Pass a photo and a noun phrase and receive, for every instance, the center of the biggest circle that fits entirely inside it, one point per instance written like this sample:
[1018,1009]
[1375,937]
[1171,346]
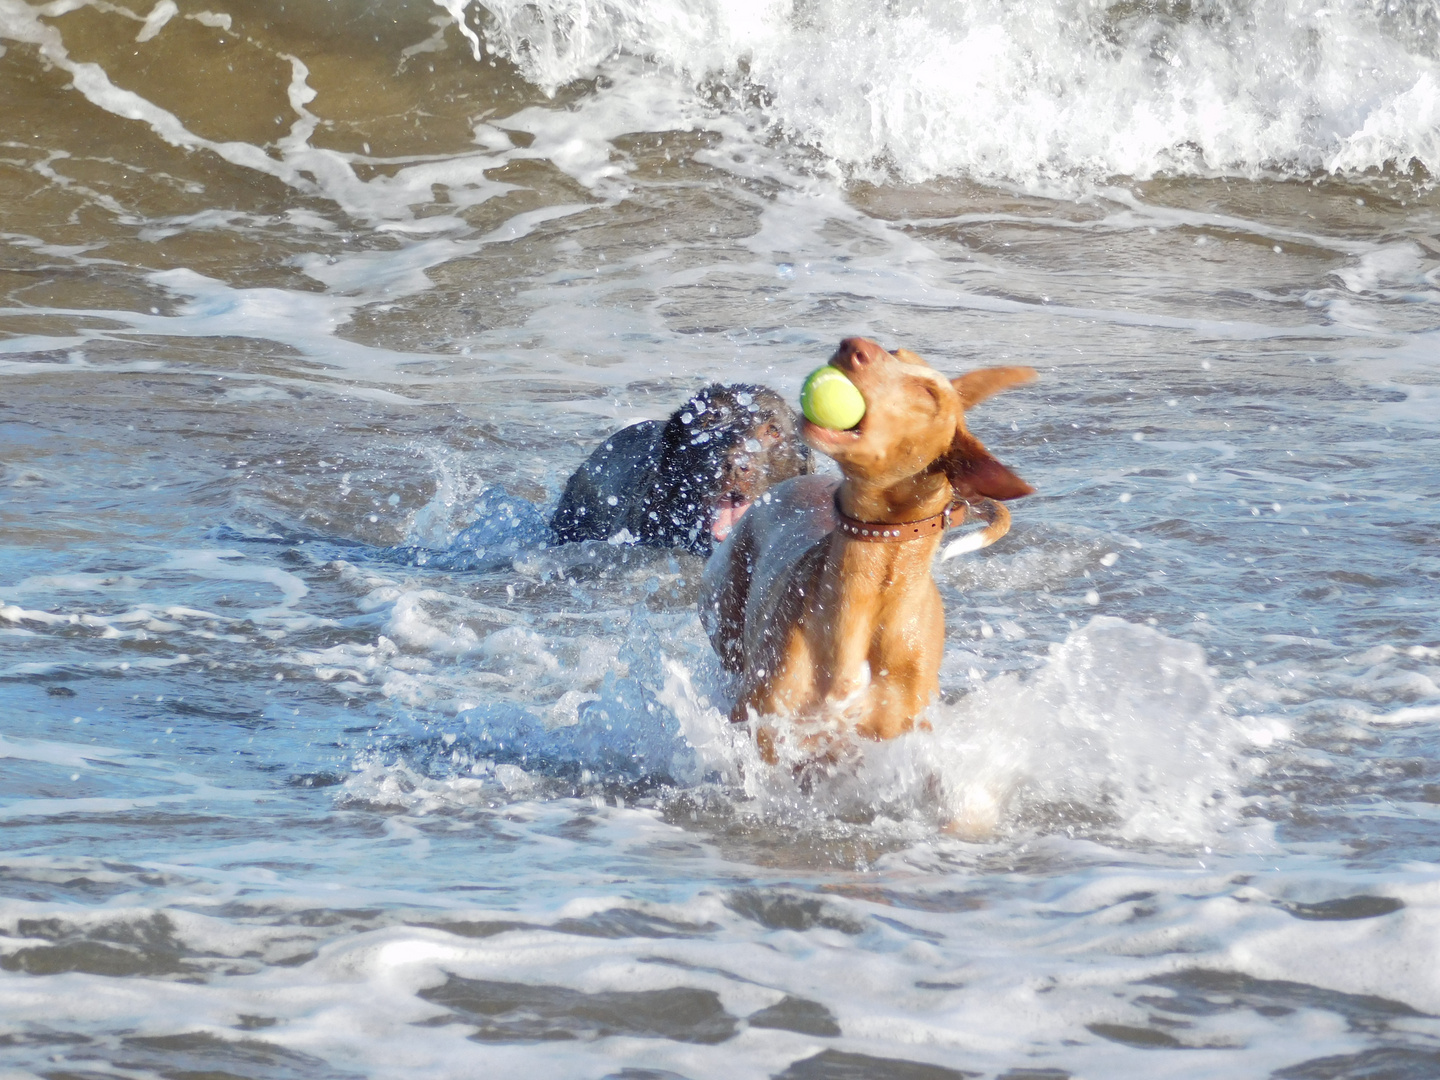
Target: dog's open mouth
[729,509]
[821,437]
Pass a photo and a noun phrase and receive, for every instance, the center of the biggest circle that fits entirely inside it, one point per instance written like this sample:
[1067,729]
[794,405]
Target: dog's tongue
[728,510]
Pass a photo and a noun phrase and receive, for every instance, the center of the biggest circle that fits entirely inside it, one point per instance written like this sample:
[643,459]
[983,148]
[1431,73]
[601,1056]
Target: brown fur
[819,626]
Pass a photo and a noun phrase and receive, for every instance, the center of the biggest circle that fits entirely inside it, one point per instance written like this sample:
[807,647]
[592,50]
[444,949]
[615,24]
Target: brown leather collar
[892,532]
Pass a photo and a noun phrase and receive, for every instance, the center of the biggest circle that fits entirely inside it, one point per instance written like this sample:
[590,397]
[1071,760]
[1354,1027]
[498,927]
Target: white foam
[1031,89]
[1012,978]
[54,753]
[229,565]
[554,667]
[160,14]
[1122,730]
[1122,718]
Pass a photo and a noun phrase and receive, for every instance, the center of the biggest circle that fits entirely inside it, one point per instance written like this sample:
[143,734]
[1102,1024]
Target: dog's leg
[998,524]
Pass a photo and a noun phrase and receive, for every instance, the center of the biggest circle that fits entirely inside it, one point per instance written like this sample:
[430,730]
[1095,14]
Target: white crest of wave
[1122,731]
[1029,90]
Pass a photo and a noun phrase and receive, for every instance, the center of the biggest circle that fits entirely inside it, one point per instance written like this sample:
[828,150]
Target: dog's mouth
[823,438]
[729,509]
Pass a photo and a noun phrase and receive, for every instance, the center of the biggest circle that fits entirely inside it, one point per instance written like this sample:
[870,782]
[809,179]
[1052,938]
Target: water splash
[1122,732]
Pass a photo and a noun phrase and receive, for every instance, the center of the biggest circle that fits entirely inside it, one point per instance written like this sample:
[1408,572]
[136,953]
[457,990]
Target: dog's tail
[997,524]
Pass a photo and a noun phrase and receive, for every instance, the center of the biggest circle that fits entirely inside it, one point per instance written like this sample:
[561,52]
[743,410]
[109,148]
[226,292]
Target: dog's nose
[855,353]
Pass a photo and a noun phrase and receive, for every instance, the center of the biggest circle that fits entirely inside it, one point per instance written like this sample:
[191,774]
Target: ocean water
[319,762]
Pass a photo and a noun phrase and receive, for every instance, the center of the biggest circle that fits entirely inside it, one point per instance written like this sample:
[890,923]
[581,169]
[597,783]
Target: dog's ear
[974,472]
[975,386]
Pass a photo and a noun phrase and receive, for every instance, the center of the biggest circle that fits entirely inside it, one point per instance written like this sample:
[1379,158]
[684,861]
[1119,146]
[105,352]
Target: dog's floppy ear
[975,386]
[973,471]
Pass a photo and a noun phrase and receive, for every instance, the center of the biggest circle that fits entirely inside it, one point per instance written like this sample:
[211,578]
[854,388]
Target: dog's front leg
[904,662]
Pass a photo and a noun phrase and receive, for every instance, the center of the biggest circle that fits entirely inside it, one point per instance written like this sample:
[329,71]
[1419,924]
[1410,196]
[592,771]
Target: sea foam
[1038,90]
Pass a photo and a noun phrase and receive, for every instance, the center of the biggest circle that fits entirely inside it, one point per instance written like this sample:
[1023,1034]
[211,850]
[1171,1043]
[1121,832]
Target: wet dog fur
[821,628]
[685,482]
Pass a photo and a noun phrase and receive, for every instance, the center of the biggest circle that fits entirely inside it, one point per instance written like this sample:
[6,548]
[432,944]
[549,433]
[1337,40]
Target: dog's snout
[855,353]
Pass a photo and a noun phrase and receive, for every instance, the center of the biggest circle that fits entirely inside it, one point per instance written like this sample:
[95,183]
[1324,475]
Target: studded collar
[892,532]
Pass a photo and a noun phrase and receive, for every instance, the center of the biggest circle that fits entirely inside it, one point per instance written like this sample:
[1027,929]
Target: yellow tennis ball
[831,400]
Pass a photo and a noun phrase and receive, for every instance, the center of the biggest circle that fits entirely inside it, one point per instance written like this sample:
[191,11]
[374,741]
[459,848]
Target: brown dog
[821,600]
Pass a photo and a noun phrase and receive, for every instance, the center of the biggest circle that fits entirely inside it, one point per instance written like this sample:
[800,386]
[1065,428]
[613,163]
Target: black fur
[662,483]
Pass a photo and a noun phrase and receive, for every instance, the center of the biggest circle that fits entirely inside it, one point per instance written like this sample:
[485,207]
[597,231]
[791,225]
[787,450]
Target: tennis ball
[831,400]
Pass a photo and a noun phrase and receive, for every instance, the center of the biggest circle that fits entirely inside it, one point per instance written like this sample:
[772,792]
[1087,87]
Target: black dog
[684,483]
